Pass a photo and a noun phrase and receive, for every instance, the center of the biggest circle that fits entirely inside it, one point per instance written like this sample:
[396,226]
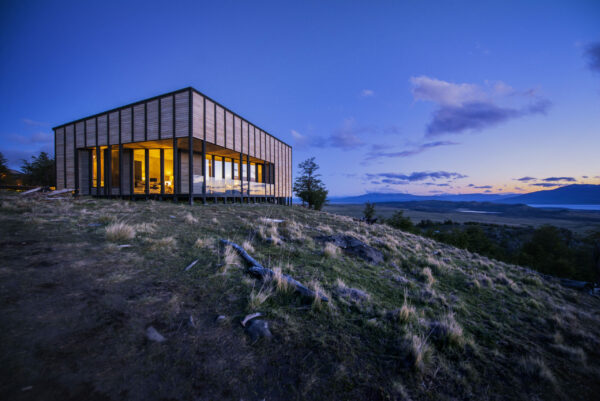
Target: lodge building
[181,145]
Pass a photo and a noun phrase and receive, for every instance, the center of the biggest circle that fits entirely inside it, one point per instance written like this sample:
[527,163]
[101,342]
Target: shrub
[331,250]
[400,222]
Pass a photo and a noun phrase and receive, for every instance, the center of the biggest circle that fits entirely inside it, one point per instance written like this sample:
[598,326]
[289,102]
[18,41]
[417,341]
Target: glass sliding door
[169,176]
[114,169]
[139,171]
[154,171]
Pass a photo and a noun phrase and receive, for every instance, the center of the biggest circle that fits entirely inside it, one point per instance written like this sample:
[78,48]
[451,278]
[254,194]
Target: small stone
[221,318]
[258,329]
[154,335]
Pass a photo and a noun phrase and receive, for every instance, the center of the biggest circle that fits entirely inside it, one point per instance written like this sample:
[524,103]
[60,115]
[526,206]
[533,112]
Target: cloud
[401,179]
[303,141]
[409,152]
[525,179]
[584,176]
[546,185]
[34,123]
[367,93]
[555,179]
[32,139]
[347,137]
[483,186]
[463,107]
[592,55]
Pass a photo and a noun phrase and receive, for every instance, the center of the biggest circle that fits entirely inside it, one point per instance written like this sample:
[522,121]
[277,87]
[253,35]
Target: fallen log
[31,191]
[60,191]
[259,270]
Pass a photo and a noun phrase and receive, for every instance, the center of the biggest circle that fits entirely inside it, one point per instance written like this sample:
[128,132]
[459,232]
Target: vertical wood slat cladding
[210,121]
[113,128]
[91,132]
[60,158]
[198,117]
[126,173]
[251,139]
[263,145]
[220,139]
[184,180]
[83,158]
[166,117]
[70,155]
[238,134]
[229,130]
[102,130]
[126,134]
[181,115]
[138,123]
[80,137]
[152,120]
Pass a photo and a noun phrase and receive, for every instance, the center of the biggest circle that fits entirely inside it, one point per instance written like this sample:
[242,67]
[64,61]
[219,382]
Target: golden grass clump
[190,219]
[324,228]
[230,258]
[419,351]
[316,287]
[427,275]
[257,298]
[280,282]
[119,232]
[331,250]
[247,245]
[294,230]
[145,228]
[535,368]
[407,311]
[164,244]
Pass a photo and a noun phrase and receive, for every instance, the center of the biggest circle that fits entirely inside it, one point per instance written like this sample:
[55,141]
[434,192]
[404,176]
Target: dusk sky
[413,96]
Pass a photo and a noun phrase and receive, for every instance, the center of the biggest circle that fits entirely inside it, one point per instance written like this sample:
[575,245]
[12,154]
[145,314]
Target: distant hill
[376,197]
[576,194]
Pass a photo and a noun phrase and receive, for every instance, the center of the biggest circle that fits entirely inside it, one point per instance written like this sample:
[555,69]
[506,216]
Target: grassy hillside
[430,322]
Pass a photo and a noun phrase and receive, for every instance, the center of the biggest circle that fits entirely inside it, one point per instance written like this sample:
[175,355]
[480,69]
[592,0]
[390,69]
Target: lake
[575,207]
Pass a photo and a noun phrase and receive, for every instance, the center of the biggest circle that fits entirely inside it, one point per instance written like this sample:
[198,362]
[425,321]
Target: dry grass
[163,244]
[406,312]
[257,298]
[448,331]
[280,282]
[190,219]
[316,287]
[331,250]
[230,259]
[535,368]
[119,232]
[427,276]
[145,228]
[325,229]
[247,245]
[419,351]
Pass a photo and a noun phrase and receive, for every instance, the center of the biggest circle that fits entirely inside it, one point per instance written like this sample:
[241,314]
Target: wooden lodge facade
[179,145]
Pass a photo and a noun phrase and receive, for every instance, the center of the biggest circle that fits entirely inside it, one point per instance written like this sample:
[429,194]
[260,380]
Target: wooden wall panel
[251,140]
[198,124]
[102,130]
[229,134]
[91,131]
[166,117]
[70,155]
[60,157]
[244,141]
[83,160]
[263,145]
[210,121]
[182,112]
[238,134]
[126,134]
[152,120]
[113,128]
[219,119]
[126,173]
[184,180]
[289,171]
[80,134]
[138,123]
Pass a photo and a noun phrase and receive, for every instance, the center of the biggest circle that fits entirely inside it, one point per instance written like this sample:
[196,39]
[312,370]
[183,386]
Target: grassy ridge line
[431,322]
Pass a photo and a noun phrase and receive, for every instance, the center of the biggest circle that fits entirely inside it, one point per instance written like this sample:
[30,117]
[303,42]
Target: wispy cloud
[417,176]
[375,153]
[470,107]
[546,185]
[34,123]
[367,93]
[557,179]
[525,179]
[592,55]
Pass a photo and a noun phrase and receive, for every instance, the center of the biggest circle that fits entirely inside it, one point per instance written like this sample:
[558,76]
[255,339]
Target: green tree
[4,172]
[369,212]
[40,170]
[309,187]
[400,222]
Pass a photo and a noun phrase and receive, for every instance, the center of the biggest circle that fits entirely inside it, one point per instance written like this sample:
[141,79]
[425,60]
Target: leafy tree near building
[4,172]
[40,170]
[309,187]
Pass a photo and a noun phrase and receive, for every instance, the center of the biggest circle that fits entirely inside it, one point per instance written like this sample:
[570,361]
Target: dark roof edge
[164,95]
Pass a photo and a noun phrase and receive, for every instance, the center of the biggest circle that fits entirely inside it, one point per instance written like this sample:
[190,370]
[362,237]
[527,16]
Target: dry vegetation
[430,322]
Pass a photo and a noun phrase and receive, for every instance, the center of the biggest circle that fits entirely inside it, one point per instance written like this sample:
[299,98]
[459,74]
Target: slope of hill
[576,194]
[401,197]
[87,284]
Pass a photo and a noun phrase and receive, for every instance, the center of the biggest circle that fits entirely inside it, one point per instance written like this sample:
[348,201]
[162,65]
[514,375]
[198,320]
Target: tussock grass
[535,368]
[419,351]
[230,259]
[247,245]
[324,229]
[331,250]
[166,244]
[281,283]
[257,298]
[314,285]
[145,228]
[427,276]
[448,331]
[190,219]
[119,232]
[406,312]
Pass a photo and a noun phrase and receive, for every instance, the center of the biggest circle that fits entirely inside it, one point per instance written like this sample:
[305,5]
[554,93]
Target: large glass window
[94,168]
[236,169]
[169,175]
[259,172]
[139,171]
[218,167]
[228,168]
[102,165]
[245,171]
[114,168]
[154,170]
[209,172]
[252,171]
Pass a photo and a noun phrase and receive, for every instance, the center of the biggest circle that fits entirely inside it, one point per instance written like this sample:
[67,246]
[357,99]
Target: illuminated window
[227,168]
[169,176]
[102,158]
[139,171]
[259,173]
[218,167]
[94,168]
[236,169]
[208,166]
[154,171]
[114,168]
[252,171]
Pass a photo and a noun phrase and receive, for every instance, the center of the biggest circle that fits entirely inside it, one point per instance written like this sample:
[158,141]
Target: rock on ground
[354,247]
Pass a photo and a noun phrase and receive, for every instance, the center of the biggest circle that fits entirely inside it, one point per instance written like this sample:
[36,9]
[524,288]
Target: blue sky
[413,96]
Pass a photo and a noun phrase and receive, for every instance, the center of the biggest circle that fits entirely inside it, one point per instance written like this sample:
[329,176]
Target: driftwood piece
[259,270]
[191,264]
[31,191]
[250,317]
[60,191]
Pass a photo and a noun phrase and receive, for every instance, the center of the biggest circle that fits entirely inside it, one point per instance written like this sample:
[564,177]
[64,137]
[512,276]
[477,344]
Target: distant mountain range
[576,194]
